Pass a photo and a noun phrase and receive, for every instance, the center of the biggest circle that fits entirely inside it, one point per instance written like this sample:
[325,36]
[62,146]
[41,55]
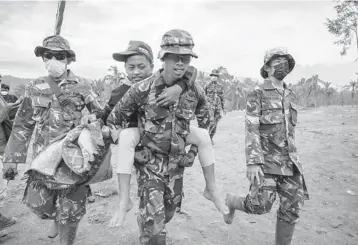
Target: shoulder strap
[64,102]
[191,72]
[54,87]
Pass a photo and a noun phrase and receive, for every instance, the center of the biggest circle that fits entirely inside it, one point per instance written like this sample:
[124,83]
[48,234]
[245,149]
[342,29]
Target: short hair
[4,86]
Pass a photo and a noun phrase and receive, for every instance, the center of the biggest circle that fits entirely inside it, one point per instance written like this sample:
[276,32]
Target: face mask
[213,79]
[4,92]
[55,68]
[281,71]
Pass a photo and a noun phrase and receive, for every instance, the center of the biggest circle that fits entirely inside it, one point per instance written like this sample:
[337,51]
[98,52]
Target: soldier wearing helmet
[272,162]
[164,131]
[215,93]
[51,109]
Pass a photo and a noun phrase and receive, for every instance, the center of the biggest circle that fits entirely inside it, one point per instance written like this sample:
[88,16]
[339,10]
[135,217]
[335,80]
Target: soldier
[4,116]
[215,92]
[52,108]
[271,154]
[4,221]
[138,63]
[163,131]
[138,60]
[9,98]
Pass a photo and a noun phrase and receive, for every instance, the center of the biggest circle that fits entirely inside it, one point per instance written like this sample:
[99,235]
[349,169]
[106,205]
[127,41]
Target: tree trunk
[357,33]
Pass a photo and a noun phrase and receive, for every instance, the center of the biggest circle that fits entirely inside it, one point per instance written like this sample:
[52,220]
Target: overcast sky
[232,34]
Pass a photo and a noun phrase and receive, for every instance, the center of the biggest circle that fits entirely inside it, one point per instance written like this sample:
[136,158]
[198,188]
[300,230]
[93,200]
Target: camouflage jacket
[41,113]
[118,93]
[215,92]
[163,129]
[3,109]
[10,98]
[271,117]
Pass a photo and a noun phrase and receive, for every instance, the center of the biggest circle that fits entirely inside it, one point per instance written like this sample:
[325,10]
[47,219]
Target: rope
[59,16]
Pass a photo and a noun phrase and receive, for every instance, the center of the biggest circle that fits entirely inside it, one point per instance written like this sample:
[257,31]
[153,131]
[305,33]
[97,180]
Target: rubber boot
[284,232]
[68,233]
[6,222]
[178,208]
[54,230]
[234,203]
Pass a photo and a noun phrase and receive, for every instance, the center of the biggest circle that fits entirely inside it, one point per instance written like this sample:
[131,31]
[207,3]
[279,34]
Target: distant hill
[13,82]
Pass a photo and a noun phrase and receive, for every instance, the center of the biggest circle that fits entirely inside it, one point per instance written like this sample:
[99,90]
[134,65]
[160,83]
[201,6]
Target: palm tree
[116,76]
[202,78]
[114,70]
[20,90]
[328,91]
[100,88]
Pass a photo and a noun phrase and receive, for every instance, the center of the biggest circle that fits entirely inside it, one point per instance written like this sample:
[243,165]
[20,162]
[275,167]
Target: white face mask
[55,68]
[213,79]
[4,92]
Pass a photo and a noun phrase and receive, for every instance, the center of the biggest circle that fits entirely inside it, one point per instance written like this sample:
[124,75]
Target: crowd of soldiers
[146,123]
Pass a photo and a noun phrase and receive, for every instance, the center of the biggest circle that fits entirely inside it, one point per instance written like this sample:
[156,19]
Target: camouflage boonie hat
[55,43]
[215,72]
[274,53]
[177,42]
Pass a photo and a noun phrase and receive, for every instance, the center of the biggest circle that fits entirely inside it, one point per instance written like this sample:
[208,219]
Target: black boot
[284,232]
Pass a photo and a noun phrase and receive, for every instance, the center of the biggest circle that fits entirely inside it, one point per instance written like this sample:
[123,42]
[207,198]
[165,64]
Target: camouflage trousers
[217,112]
[290,189]
[159,198]
[66,206]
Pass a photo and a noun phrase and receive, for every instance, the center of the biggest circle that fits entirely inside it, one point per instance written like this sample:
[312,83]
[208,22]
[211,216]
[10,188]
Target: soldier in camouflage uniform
[272,162]
[50,115]
[138,63]
[163,132]
[215,93]
[138,60]
[4,221]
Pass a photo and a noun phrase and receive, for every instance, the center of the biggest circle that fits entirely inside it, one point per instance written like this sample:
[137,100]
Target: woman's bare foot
[211,191]
[213,195]
[118,218]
